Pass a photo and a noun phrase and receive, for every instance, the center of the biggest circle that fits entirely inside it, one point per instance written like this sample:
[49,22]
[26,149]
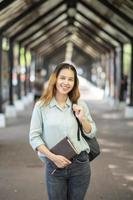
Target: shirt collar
[54,102]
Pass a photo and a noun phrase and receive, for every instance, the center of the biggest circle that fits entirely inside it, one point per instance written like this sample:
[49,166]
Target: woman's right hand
[61,161]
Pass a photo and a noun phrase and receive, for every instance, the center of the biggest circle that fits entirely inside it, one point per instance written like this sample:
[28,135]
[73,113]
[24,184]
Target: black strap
[80,127]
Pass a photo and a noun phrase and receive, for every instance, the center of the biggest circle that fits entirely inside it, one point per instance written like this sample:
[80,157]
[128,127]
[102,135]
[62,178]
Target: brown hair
[74,94]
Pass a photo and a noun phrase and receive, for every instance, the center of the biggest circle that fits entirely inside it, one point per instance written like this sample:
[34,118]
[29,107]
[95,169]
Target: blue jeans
[71,182]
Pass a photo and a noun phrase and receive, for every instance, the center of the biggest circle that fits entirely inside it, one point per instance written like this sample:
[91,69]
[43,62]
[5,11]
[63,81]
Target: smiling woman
[52,120]
[66,74]
[65,82]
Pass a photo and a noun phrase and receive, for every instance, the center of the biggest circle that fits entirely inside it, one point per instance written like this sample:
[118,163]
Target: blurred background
[97,36]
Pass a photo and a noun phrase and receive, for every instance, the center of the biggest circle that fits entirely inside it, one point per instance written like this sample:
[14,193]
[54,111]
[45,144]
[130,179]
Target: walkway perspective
[22,173]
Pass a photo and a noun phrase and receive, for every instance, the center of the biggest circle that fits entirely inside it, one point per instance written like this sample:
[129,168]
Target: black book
[65,148]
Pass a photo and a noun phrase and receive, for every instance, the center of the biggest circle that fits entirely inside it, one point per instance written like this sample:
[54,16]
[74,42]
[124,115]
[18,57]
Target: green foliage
[5,44]
[127,58]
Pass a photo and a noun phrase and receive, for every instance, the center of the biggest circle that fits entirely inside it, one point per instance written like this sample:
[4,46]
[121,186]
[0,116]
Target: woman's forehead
[66,72]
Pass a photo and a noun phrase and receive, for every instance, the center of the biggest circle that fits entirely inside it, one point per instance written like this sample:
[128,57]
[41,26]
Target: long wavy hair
[74,94]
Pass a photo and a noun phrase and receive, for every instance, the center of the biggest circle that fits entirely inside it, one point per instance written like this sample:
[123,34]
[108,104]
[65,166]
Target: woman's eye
[71,80]
[62,78]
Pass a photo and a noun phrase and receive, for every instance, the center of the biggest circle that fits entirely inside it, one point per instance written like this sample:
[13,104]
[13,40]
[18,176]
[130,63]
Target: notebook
[65,148]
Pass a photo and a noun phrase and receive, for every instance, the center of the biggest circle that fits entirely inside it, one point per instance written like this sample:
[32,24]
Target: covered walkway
[98,37]
[36,35]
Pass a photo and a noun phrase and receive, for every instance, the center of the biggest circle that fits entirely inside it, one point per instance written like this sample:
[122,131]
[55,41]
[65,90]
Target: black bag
[92,142]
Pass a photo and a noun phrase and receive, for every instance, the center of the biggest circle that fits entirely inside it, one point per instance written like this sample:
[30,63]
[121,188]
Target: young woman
[52,120]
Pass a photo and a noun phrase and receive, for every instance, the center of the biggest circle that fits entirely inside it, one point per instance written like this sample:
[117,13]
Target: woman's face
[65,81]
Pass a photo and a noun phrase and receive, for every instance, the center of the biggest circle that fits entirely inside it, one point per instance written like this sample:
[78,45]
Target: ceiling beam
[47,38]
[58,43]
[100,28]
[34,6]
[21,31]
[23,39]
[89,7]
[52,51]
[92,42]
[46,32]
[81,52]
[4,4]
[85,44]
[94,33]
[52,45]
[81,46]
[59,49]
[116,10]
[91,38]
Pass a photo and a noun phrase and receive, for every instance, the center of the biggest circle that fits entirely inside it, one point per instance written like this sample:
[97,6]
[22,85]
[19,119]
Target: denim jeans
[71,182]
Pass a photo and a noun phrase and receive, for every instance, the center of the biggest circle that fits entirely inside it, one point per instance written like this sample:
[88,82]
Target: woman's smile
[65,81]
[65,87]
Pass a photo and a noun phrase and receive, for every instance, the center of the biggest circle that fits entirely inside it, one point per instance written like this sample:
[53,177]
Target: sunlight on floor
[106,150]
[130,123]
[112,166]
[111,116]
[128,177]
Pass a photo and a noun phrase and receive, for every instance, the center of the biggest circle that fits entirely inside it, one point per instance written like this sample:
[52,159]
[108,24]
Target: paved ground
[21,173]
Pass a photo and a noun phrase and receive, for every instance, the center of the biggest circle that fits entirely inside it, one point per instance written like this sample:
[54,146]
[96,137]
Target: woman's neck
[61,99]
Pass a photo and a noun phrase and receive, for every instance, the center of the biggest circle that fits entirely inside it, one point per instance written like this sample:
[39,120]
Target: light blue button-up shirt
[50,123]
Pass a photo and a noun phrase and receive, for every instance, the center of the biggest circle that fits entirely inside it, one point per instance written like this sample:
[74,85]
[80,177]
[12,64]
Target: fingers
[67,161]
[77,108]
[61,161]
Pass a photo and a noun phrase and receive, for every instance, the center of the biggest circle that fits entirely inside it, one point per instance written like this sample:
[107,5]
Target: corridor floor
[22,173]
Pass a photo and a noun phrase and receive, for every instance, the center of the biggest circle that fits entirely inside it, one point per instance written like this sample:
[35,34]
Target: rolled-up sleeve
[36,126]
[91,121]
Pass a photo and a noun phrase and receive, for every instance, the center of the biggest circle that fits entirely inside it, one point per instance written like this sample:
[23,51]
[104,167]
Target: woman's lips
[65,88]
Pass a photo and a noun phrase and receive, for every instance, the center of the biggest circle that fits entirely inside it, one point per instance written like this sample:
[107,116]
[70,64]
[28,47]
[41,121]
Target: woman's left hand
[79,112]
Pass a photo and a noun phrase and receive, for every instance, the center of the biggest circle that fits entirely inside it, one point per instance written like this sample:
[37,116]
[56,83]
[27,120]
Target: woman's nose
[65,81]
